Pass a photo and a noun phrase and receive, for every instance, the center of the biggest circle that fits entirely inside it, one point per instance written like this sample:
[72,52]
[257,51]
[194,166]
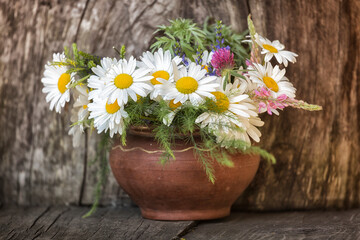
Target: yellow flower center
[187,85]
[113,107]
[64,79]
[173,105]
[271,84]
[123,81]
[270,48]
[159,74]
[85,106]
[221,104]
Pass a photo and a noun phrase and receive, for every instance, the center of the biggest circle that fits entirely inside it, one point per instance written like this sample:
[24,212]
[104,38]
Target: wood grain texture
[126,223]
[315,225]
[66,223]
[318,153]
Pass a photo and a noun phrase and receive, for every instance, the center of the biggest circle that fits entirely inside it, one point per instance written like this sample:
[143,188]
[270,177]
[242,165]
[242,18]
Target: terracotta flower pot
[179,190]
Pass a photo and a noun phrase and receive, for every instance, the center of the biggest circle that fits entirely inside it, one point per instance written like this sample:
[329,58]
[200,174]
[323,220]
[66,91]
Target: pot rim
[147,131]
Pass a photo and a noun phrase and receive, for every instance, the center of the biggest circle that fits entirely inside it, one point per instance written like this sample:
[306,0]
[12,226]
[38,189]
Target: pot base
[185,215]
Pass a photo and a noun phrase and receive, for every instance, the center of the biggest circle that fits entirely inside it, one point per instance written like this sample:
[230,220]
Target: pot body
[180,189]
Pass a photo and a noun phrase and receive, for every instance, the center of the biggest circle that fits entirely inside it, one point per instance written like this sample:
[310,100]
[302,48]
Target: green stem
[79,81]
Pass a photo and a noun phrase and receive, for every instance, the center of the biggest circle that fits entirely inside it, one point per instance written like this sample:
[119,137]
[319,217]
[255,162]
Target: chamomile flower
[56,82]
[107,116]
[232,114]
[190,84]
[160,65]
[124,81]
[245,84]
[79,114]
[272,78]
[97,81]
[174,108]
[227,108]
[81,102]
[276,49]
[244,133]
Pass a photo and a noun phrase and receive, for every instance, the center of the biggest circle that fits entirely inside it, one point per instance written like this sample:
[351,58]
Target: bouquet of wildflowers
[208,82]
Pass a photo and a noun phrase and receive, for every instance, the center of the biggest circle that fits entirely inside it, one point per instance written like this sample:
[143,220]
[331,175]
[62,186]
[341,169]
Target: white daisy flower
[190,84]
[81,102]
[276,49]
[231,110]
[79,113]
[56,82]
[248,129]
[160,65]
[245,84]
[123,81]
[107,116]
[174,108]
[227,107]
[97,81]
[272,78]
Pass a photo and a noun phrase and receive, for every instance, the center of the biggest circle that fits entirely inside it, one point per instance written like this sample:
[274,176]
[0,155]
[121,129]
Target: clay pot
[179,190]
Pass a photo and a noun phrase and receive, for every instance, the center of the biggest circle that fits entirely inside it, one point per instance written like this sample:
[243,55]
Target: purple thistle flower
[222,59]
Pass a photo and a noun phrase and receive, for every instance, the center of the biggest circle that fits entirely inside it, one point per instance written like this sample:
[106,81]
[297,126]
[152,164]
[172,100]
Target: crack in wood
[40,216]
[52,237]
[141,222]
[39,229]
[143,231]
[12,230]
[56,218]
[96,231]
[11,236]
[190,227]
[81,18]
[139,16]
[37,235]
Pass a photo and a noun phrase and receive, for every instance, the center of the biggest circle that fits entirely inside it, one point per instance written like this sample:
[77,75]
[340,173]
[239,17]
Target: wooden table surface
[126,223]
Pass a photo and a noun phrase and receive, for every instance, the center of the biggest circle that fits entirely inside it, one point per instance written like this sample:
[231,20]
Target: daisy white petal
[276,49]
[56,82]
[159,67]
[189,87]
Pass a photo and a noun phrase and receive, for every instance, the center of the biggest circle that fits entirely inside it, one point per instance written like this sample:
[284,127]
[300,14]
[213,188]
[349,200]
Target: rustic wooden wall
[318,152]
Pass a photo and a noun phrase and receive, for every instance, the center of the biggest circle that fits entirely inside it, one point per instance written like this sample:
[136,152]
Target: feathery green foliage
[183,36]
[183,32]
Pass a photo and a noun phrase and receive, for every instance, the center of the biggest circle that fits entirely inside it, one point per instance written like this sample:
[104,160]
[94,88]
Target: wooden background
[317,152]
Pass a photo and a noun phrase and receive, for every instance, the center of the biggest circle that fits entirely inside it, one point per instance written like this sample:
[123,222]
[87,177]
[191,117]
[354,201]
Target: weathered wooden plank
[126,223]
[317,152]
[281,225]
[67,223]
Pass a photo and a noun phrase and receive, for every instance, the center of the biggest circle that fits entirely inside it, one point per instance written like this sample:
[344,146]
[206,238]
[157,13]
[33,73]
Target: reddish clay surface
[179,190]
